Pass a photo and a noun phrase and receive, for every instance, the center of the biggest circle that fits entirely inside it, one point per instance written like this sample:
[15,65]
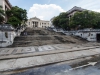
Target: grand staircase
[38,37]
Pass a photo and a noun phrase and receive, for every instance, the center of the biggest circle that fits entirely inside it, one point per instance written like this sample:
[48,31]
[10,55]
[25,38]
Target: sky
[46,9]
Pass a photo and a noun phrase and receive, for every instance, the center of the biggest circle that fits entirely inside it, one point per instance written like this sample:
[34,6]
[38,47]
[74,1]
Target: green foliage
[80,20]
[61,21]
[85,19]
[2,13]
[18,14]
[56,21]
[14,21]
[97,21]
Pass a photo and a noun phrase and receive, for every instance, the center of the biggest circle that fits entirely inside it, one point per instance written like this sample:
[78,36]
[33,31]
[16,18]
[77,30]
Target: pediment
[35,18]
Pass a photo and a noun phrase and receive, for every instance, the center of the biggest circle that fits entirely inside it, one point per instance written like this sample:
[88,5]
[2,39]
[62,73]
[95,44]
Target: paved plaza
[43,55]
[29,51]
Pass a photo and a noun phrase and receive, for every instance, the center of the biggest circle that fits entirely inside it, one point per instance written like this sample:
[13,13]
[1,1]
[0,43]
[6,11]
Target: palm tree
[2,14]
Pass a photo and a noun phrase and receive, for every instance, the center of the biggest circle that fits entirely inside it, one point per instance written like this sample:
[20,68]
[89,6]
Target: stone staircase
[38,37]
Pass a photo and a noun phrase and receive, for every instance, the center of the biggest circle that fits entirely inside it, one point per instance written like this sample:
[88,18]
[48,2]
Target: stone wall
[6,38]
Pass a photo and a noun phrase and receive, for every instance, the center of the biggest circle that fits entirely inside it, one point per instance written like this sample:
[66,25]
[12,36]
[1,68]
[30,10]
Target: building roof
[35,18]
[38,19]
[45,21]
[75,8]
[6,27]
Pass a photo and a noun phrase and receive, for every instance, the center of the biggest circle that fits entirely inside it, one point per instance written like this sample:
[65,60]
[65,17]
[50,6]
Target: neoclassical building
[36,22]
[5,6]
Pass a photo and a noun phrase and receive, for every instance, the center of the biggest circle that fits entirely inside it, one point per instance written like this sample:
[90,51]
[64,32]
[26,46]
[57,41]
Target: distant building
[5,6]
[75,9]
[36,22]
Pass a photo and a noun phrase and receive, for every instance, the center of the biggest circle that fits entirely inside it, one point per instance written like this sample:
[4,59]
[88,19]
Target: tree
[56,22]
[18,15]
[80,20]
[97,26]
[14,21]
[61,21]
[85,19]
[2,14]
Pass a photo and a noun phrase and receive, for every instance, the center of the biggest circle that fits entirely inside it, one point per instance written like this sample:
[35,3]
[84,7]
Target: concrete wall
[6,38]
[86,34]
[93,36]
[90,36]
[81,34]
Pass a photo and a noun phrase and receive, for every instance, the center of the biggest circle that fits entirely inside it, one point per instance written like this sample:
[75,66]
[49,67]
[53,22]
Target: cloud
[45,11]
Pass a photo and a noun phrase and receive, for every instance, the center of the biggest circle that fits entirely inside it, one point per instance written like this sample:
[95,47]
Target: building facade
[5,6]
[36,22]
[75,9]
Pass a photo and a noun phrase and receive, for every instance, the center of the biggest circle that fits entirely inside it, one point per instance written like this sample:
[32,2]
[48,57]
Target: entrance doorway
[98,37]
[35,24]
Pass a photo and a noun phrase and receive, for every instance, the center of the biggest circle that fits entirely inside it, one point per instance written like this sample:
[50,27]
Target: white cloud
[45,11]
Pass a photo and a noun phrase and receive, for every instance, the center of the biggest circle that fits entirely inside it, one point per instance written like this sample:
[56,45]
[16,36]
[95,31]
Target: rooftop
[75,8]
[38,19]
[35,18]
